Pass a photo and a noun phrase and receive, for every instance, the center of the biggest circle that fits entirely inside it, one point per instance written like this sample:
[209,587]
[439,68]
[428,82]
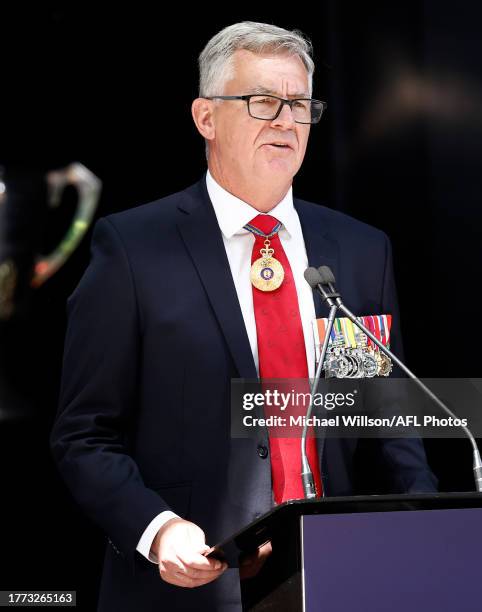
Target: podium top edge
[261,530]
[401,497]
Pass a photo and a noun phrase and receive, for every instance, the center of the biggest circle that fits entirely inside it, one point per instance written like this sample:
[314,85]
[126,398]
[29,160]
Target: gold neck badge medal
[267,273]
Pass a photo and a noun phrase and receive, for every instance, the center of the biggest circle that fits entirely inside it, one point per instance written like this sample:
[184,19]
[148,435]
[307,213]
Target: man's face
[244,147]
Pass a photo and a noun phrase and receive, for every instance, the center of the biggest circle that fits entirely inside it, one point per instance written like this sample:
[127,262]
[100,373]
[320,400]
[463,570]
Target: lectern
[375,553]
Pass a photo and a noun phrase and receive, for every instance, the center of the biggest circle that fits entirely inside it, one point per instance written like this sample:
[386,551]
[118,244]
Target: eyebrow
[267,91]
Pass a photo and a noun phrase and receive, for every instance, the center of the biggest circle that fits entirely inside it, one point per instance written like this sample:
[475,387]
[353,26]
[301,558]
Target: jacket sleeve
[98,397]
[404,458]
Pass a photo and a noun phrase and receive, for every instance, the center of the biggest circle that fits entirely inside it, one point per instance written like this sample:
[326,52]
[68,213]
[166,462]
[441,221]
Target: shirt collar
[233,214]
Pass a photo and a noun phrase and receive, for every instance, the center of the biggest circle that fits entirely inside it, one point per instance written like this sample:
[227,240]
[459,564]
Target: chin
[281,169]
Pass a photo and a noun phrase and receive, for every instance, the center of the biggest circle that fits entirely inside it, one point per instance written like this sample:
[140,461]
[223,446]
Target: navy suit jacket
[155,334]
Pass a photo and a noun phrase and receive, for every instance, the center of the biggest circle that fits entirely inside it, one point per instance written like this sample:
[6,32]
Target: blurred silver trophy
[25,197]
[31,320]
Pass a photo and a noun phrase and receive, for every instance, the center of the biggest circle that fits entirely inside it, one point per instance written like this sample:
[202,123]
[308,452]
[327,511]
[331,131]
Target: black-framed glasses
[267,107]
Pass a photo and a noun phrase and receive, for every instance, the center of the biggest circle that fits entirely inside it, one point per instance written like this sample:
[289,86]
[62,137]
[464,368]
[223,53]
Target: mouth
[279,145]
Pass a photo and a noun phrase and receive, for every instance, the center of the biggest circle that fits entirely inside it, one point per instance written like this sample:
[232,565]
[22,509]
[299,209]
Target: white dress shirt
[232,215]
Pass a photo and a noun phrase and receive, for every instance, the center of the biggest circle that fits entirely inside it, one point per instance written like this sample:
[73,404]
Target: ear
[203,115]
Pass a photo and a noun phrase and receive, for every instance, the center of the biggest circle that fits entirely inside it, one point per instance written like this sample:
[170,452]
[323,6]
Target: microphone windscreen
[312,277]
[326,275]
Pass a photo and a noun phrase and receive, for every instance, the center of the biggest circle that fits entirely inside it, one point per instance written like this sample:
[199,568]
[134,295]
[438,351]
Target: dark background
[400,147]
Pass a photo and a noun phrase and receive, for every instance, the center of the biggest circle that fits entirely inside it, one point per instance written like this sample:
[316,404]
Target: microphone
[326,275]
[323,281]
[313,278]
[317,279]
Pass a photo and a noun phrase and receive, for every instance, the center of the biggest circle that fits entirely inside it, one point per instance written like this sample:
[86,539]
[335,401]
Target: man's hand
[180,548]
[250,566]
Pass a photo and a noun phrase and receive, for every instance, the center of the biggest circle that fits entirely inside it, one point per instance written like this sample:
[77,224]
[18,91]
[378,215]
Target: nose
[285,118]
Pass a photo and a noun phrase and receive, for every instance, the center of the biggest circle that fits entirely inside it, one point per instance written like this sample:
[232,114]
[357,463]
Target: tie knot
[264,223]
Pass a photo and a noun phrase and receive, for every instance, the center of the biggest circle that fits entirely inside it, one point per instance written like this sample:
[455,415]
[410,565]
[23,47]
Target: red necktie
[282,354]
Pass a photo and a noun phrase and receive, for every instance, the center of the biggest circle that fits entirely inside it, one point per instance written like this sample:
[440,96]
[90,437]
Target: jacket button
[262,451]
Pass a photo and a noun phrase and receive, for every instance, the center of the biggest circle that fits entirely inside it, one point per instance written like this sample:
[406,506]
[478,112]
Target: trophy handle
[89,187]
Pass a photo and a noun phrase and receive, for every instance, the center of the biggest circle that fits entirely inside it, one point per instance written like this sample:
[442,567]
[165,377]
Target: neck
[260,195]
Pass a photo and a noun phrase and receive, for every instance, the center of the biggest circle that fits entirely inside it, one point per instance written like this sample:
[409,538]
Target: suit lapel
[321,249]
[202,237]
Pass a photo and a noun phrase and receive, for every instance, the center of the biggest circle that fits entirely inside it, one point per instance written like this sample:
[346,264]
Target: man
[168,313]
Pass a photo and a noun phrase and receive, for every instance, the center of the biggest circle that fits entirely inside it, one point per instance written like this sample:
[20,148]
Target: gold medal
[385,365]
[267,273]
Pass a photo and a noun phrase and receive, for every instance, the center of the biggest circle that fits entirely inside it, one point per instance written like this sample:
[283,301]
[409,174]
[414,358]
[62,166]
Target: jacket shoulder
[340,224]
[156,215]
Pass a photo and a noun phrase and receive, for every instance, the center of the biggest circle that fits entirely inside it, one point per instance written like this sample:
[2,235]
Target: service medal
[341,367]
[370,365]
[350,353]
[385,365]
[267,273]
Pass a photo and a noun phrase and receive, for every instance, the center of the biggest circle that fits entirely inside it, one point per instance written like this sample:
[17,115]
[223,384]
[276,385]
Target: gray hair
[215,61]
